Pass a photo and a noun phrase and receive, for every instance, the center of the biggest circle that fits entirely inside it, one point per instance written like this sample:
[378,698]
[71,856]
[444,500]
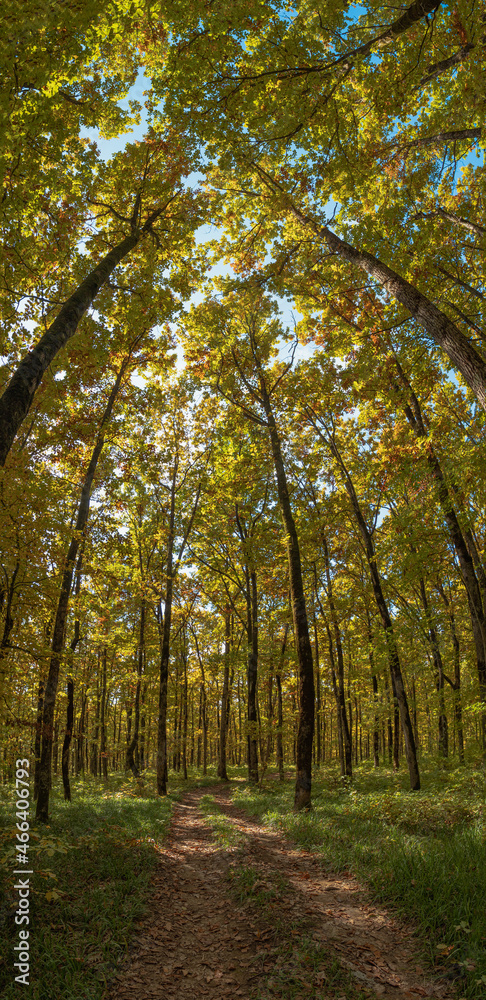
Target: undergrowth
[302,968]
[92,867]
[225,833]
[424,852]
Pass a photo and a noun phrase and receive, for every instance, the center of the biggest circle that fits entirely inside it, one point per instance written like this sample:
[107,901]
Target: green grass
[248,885]
[92,867]
[301,968]
[225,833]
[424,852]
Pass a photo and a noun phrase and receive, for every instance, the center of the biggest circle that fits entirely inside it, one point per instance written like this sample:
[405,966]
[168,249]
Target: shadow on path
[198,942]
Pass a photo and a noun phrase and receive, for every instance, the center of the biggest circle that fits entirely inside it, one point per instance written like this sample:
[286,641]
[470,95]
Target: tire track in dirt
[198,942]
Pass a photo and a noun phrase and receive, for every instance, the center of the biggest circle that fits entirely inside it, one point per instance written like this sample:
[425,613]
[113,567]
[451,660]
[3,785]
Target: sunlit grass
[425,852]
[92,865]
[225,833]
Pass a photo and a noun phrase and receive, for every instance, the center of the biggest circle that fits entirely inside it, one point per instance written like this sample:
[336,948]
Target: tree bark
[38,736]
[184,706]
[341,701]
[164,626]
[278,681]
[17,397]
[70,696]
[439,672]
[103,754]
[393,657]
[318,686]
[305,731]
[132,759]
[374,682]
[456,683]
[474,591]
[164,634]
[222,772]
[339,715]
[252,714]
[439,327]
[42,811]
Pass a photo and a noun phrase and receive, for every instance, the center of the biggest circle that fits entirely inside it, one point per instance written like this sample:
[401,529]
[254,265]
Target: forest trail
[199,941]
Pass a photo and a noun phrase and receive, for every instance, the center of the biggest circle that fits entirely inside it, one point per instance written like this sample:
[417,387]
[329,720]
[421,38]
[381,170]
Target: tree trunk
[80,737]
[38,733]
[393,657]
[67,740]
[19,392]
[164,634]
[439,327]
[456,683]
[94,740]
[374,682]
[42,811]
[278,680]
[466,561]
[222,773]
[318,686]
[305,732]
[184,707]
[345,729]
[252,629]
[103,754]
[339,712]
[439,672]
[132,760]
[70,695]
[143,751]
[164,627]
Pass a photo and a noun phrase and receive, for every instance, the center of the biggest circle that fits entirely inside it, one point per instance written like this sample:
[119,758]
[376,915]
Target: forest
[242,496]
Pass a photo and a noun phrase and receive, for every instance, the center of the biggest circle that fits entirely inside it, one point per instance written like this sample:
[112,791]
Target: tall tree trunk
[439,327]
[439,672]
[374,682]
[70,694]
[184,706]
[132,761]
[222,773]
[80,736]
[143,726]
[96,730]
[476,595]
[392,649]
[7,596]
[456,683]
[164,624]
[18,395]
[42,811]
[38,735]
[396,728]
[67,740]
[345,728]
[240,731]
[176,719]
[305,732]
[317,684]
[252,678]
[204,716]
[278,681]
[339,703]
[103,712]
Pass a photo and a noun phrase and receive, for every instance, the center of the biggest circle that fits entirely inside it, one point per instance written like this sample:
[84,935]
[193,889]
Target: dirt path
[201,941]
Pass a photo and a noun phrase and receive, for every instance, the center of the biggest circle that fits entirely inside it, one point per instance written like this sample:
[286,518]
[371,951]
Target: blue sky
[107,147]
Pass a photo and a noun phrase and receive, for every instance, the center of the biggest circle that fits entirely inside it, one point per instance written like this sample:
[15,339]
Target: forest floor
[237,909]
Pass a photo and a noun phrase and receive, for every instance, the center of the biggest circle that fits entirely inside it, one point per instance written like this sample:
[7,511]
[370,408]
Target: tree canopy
[243,491]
